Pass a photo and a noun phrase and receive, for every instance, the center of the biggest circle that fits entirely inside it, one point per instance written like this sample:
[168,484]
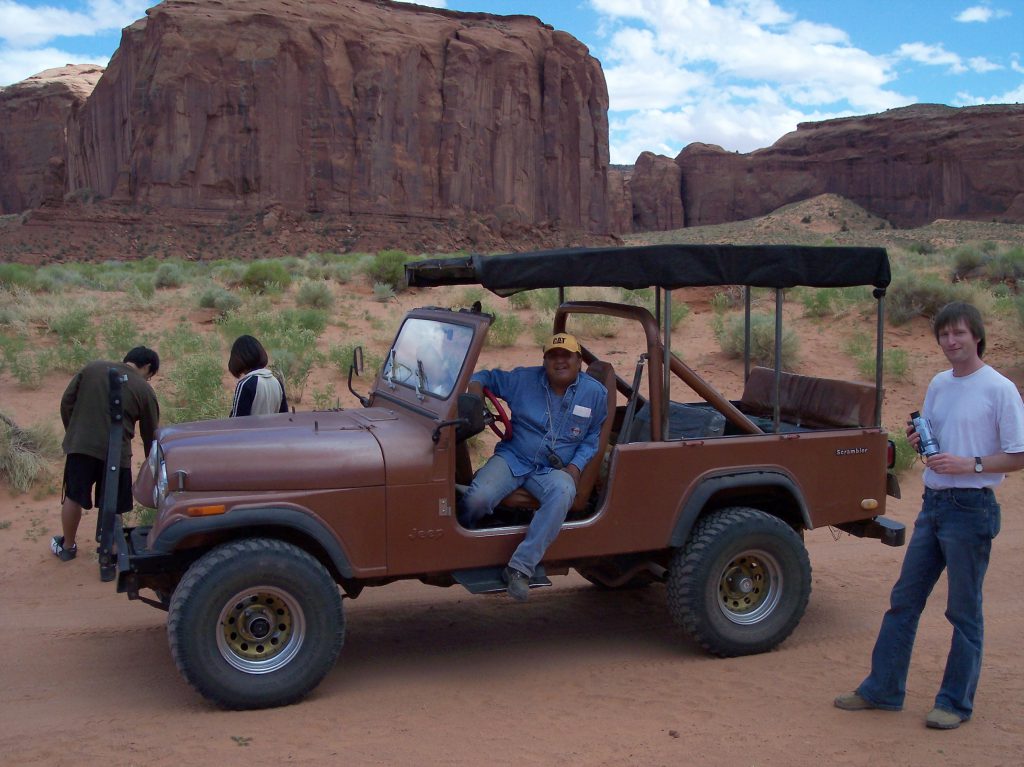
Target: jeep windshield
[427,356]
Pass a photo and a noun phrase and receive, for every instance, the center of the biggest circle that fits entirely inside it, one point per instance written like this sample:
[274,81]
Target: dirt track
[575,677]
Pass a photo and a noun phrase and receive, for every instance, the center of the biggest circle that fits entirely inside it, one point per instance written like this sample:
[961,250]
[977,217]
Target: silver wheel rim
[750,587]
[260,630]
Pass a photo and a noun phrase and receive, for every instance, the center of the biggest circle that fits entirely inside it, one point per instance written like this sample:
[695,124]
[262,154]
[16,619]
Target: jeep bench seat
[820,403]
[523,499]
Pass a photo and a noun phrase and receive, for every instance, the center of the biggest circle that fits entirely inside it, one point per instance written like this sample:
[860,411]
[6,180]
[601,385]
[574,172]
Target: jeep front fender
[258,521]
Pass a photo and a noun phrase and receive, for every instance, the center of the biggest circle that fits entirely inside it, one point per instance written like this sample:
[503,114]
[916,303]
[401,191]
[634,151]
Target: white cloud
[1014,96]
[16,65]
[738,73]
[980,14]
[981,65]
[1015,64]
[932,55]
[25,26]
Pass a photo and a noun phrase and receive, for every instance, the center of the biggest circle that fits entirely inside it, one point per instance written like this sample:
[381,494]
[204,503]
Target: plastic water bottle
[928,446]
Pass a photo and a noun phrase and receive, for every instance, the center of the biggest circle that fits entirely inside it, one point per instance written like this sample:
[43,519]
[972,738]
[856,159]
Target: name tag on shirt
[581,411]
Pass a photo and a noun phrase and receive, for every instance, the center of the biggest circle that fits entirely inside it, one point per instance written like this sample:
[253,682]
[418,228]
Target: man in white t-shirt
[977,416]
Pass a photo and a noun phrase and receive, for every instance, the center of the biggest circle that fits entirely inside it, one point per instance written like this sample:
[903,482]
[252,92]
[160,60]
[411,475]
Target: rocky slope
[352,107]
[33,134]
[909,166]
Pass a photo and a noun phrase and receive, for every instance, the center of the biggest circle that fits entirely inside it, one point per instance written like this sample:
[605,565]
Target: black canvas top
[666,266]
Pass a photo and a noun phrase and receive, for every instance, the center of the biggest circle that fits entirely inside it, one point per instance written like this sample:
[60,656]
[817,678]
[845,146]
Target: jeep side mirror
[471,412]
[356,368]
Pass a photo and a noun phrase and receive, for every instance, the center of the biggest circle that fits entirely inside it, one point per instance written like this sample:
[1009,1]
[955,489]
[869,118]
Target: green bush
[119,335]
[73,325]
[26,455]
[382,292]
[221,299]
[197,392]
[388,268]
[169,275]
[505,331]
[906,456]
[913,295]
[315,294]
[894,365]
[594,325]
[17,276]
[762,341]
[231,273]
[265,276]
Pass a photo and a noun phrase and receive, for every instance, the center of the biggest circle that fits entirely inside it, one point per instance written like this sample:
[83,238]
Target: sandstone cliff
[911,166]
[349,107]
[33,138]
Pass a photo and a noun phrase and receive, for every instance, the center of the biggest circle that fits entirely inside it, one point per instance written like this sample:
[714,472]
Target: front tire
[741,583]
[255,623]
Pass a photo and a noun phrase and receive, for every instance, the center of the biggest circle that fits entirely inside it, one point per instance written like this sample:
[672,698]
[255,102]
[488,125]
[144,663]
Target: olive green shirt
[85,411]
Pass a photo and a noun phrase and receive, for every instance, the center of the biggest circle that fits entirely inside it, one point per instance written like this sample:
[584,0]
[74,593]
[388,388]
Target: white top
[975,415]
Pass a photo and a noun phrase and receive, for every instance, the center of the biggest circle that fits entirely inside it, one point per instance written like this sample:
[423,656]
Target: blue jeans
[554,489]
[954,531]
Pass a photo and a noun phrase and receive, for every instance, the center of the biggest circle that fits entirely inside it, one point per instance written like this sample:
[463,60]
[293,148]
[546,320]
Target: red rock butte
[349,107]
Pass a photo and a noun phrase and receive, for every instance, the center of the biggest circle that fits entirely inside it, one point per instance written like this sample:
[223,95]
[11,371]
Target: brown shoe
[852,701]
[939,719]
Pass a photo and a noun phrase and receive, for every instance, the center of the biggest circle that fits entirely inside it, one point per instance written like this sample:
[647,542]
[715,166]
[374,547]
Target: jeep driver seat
[523,499]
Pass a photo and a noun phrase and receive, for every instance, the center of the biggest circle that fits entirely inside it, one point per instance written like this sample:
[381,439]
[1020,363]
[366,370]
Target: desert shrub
[58,277]
[1007,266]
[966,259]
[906,456]
[894,365]
[221,299]
[26,455]
[22,363]
[169,275]
[326,398]
[388,268]
[197,392]
[119,335]
[142,288]
[594,325]
[382,292]
[521,300]
[294,366]
[231,273]
[17,276]
[182,341]
[340,356]
[920,248]
[73,325]
[505,331]
[314,294]
[762,341]
[919,295]
[341,273]
[540,332]
[266,276]
[1019,302]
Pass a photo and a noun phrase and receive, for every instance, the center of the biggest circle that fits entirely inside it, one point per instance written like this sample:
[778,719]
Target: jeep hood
[288,451]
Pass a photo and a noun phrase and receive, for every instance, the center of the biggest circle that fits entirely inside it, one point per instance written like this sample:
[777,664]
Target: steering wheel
[500,416]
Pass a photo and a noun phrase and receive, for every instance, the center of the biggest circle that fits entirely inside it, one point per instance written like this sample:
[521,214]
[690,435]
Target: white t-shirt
[976,415]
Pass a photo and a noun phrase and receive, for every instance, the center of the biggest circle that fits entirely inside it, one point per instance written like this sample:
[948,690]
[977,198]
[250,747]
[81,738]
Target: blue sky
[737,73]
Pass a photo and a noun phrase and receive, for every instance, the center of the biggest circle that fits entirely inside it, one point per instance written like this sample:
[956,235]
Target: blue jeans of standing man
[954,531]
[554,489]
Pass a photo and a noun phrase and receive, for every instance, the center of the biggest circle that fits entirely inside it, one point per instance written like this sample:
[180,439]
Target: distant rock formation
[353,107]
[655,205]
[33,134]
[910,166]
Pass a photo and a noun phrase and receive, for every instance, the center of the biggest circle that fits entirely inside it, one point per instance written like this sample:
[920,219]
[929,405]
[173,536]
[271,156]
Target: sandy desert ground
[576,676]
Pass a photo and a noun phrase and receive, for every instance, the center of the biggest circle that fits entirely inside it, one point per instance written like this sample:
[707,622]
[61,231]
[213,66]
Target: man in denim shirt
[557,413]
[978,419]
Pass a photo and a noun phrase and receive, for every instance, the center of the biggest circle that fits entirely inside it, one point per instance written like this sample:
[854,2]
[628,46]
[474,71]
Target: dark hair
[247,354]
[960,311]
[141,356]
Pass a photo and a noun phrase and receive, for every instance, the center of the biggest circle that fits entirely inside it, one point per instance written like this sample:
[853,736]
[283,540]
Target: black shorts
[83,473]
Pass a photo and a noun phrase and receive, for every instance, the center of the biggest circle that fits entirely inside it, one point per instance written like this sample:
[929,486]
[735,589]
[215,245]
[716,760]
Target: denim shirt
[570,425]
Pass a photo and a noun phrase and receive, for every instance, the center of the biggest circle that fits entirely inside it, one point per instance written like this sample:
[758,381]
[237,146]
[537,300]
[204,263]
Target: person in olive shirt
[85,411]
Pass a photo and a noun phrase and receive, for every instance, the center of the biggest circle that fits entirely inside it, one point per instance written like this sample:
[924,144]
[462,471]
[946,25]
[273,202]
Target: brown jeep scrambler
[260,519]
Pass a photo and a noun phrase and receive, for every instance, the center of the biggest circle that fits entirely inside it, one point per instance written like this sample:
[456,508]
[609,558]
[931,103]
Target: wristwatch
[978,468]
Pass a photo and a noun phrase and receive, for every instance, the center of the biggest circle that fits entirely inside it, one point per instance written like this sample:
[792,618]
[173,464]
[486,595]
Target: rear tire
[741,583]
[255,623]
